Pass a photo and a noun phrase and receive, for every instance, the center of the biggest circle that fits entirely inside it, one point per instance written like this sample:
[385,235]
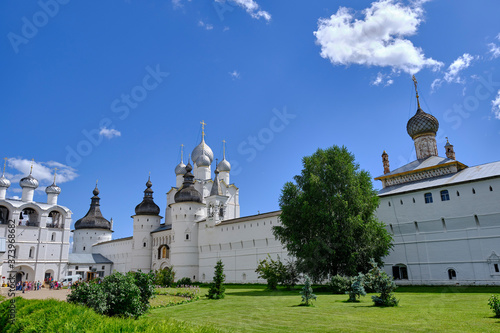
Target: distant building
[443,215]
[41,233]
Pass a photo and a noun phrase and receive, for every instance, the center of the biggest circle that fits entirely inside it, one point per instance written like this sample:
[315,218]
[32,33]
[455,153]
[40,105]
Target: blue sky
[109,90]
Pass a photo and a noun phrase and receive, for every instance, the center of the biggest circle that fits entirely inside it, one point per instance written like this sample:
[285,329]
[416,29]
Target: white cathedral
[443,215]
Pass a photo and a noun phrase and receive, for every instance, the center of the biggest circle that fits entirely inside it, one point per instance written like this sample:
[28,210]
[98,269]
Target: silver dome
[180,169]
[4,182]
[29,182]
[202,149]
[224,165]
[421,123]
[53,189]
[203,161]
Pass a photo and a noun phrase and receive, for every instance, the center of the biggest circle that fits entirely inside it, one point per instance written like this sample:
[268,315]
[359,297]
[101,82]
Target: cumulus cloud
[42,171]
[109,132]
[205,25]
[452,74]
[234,75]
[251,7]
[382,79]
[496,106]
[377,40]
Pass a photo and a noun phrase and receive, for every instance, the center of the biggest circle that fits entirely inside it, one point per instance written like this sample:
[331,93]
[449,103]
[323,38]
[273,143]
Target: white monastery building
[443,215]
[41,233]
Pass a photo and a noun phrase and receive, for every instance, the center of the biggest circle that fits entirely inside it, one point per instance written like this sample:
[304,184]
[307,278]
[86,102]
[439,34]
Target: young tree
[307,292]
[217,289]
[357,289]
[271,270]
[327,219]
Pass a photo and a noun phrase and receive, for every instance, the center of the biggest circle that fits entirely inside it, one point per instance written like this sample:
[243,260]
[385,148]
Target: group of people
[28,285]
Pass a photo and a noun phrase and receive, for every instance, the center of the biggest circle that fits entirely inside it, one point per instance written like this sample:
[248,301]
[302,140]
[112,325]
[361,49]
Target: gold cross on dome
[182,153]
[55,173]
[416,90]
[203,123]
[32,161]
[4,165]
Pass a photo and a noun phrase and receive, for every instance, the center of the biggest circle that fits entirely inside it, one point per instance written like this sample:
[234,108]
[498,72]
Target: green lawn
[422,309]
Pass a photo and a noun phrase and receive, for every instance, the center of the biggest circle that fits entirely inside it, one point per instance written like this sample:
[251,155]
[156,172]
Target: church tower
[186,212]
[92,228]
[422,128]
[216,203]
[202,157]
[4,182]
[224,166]
[146,220]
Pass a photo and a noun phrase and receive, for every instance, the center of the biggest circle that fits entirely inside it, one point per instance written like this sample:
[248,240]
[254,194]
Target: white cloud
[496,106]
[205,25]
[109,132]
[494,50]
[251,7]
[453,72]
[382,79]
[377,40]
[234,75]
[42,171]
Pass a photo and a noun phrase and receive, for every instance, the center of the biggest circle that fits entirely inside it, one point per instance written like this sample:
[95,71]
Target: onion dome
[29,182]
[224,165]
[147,206]
[422,123]
[4,182]
[203,161]
[188,193]
[93,219]
[202,149]
[53,189]
[180,169]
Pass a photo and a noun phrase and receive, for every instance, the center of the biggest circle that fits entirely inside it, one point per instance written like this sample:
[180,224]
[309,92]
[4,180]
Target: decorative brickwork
[425,146]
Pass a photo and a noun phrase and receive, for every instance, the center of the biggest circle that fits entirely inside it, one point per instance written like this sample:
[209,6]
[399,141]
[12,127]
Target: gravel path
[41,294]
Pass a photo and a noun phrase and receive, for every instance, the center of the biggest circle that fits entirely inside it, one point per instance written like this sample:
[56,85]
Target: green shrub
[356,290]
[339,284]
[217,289]
[185,281]
[382,283]
[290,276]
[165,277]
[145,283]
[494,303]
[276,272]
[307,292]
[90,294]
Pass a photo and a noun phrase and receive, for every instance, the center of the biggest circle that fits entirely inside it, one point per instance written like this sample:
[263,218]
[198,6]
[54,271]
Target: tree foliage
[276,272]
[217,289]
[378,280]
[165,277]
[357,289]
[327,219]
[307,292]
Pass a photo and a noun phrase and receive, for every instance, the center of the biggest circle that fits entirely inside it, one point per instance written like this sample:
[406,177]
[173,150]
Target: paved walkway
[41,294]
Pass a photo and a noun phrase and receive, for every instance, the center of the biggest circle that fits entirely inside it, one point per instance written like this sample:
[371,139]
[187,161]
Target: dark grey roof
[88,258]
[93,219]
[147,206]
[163,227]
[188,193]
[216,189]
[421,123]
[476,173]
[115,240]
[251,217]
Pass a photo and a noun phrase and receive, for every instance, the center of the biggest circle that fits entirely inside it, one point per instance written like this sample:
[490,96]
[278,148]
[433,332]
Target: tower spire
[416,90]
[32,161]
[55,173]
[182,153]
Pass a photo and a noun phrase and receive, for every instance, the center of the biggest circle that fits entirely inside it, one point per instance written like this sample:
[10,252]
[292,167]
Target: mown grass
[422,309]
[57,316]
[251,308]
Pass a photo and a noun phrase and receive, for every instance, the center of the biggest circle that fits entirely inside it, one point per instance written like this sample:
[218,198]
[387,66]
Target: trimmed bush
[383,284]
[185,281]
[165,277]
[357,289]
[494,303]
[340,284]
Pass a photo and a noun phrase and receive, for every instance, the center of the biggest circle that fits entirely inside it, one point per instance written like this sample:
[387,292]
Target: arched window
[29,217]
[4,215]
[55,220]
[428,197]
[163,252]
[53,237]
[445,196]
[400,272]
[452,275]
[32,252]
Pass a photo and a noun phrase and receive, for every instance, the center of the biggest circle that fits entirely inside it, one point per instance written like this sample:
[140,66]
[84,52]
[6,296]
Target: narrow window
[143,244]
[458,194]
[392,229]
[413,200]
[491,189]
[477,221]
[497,270]
[445,196]
[84,248]
[401,201]
[416,226]
[187,236]
[31,253]
[389,203]
[473,191]
[452,275]
[444,224]
[428,198]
